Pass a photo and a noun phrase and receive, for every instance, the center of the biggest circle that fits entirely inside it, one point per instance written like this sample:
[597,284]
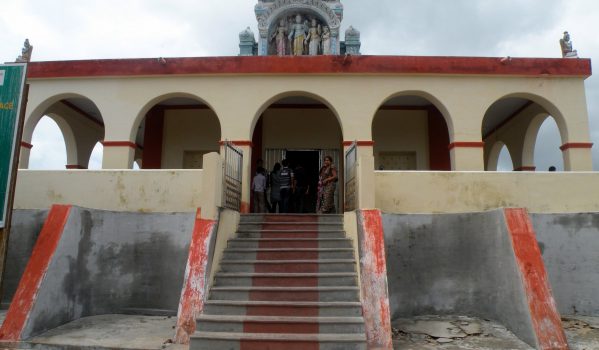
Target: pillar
[365,181]
[118,154]
[577,156]
[24,155]
[212,186]
[467,156]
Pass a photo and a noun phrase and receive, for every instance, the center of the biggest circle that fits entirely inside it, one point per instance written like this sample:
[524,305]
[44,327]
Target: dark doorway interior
[310,161]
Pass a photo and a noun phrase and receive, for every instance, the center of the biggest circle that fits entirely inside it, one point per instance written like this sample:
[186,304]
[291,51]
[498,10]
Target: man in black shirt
[287,185]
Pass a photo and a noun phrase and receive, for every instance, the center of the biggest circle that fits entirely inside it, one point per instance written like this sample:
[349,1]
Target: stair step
[269,234]
[287,253]
[279,324]
[289,266]
[344,293]
[290,243]
[282,308]
[277,341]
[286,279]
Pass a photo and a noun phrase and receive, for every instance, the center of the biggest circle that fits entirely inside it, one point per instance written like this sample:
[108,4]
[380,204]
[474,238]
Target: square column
[24,155]
[467,156]
[364,173]
[577,156]
[118,154]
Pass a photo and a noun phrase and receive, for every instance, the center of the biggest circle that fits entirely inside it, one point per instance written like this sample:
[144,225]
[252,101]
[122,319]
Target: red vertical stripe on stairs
[41,256]
[543,310]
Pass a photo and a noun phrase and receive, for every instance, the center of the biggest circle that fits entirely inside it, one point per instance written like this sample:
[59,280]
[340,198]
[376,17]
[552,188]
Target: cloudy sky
[87,29]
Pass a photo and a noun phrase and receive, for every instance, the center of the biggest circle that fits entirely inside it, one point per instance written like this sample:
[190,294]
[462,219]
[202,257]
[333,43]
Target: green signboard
[12,81]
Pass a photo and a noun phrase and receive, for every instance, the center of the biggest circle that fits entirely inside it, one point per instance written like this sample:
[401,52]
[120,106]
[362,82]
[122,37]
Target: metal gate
[232,169]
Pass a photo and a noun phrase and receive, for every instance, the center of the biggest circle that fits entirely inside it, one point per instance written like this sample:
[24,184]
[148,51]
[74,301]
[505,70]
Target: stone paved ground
[467,333]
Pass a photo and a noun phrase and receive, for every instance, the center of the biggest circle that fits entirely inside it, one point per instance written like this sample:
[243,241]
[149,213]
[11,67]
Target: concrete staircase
[286,282]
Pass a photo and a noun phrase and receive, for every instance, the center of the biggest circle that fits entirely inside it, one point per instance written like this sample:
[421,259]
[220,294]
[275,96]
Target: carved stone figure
[279,36]
[313,38]
[25,52]
[566,46]
[326,41]
[297,35]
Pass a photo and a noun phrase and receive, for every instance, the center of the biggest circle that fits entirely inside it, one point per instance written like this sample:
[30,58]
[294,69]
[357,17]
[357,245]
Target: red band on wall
[576,145]
[466,145]
[359,143]
[26,145]
[41,256]
[194,285]
[239,143]
[119,144]
[526,168]
[545,318]
[75,166]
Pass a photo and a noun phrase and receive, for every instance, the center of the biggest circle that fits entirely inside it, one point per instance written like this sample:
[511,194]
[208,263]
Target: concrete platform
[110,332]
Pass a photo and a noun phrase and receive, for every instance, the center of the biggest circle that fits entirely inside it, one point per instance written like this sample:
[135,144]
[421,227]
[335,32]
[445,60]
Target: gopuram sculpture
[566,45]
[25,52]
[298,27]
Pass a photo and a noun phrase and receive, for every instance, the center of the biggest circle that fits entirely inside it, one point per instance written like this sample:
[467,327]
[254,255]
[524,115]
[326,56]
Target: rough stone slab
[110,331]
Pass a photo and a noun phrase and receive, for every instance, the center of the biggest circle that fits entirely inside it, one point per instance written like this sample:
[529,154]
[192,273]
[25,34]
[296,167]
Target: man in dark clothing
[301,188]
[287,185]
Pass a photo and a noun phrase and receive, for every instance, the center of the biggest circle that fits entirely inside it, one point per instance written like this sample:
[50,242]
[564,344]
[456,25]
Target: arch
[174,131]
[549,107]
[425,95]
[494,154]
[95,158]
[531,140]
[41,109]
[141,115]
[50,153]
[294,93]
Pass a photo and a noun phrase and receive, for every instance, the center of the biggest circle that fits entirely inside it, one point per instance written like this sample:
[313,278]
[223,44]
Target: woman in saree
[327,182]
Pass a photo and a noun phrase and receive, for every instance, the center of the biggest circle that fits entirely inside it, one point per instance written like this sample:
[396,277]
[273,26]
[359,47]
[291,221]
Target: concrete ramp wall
[26,226]
[101,262]
[477,264]
[570,247]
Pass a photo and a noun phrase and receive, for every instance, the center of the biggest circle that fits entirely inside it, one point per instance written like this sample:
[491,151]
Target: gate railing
[351,183]
[232,171]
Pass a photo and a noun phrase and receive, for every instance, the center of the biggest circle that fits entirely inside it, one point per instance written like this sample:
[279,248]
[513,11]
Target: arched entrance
[410,133]
[302,129]
[176,133]
[80,123]
[515,121]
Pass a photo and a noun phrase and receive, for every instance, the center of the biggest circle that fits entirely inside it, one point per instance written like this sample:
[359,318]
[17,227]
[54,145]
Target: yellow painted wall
[122,190]
[456,192]
[297,128]
[188,130]
[402,131]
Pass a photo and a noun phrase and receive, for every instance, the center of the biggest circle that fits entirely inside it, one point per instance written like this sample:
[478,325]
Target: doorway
[305,164]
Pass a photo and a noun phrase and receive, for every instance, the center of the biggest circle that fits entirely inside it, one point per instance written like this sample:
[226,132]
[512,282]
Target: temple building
[416,142]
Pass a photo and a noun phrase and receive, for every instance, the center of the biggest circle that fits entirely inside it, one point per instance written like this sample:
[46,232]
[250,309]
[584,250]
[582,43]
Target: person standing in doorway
[287,185]
[275,188]
[327,182]
[259,187]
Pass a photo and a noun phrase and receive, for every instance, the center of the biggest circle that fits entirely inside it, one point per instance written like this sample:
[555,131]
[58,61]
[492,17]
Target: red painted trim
[312,65]
[438,140]
[567,146]
[75,166]
[24,298]
[153,139]
[373,278]
[466,145]
[118,144]
[238,143]
[364,143]
[545,318]
[26,145]
[526,168]
[245,208]
[194,285]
